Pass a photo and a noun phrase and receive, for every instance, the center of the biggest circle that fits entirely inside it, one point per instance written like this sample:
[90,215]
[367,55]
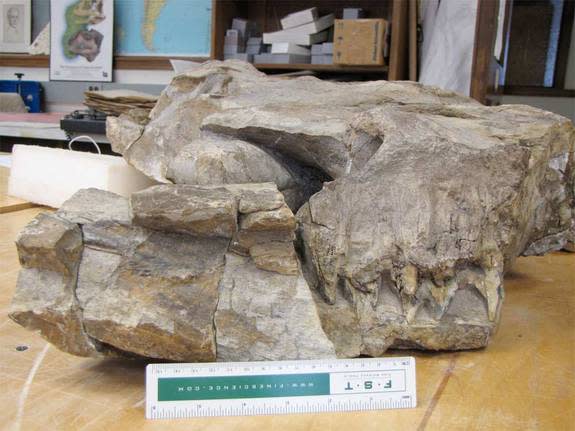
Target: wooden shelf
[145,62]
[24,60]
[324,68]
[163,63]
[267,14]
[120,61]
[516,90]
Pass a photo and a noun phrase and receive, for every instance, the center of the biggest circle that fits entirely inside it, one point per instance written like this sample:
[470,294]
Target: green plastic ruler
[260,388]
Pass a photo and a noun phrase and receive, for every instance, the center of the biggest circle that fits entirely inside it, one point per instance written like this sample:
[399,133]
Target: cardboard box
[359,42]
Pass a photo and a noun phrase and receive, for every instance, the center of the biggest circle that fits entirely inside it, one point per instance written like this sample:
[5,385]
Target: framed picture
[15,24]
[81,40]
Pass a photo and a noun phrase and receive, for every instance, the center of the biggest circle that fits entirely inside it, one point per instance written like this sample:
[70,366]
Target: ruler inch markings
[279,387]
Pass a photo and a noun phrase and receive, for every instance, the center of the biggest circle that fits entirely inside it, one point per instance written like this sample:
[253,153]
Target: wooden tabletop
[523,381]
[9,203]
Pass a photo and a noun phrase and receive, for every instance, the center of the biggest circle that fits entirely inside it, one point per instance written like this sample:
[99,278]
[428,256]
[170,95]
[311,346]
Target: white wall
[72,100]
[121,76]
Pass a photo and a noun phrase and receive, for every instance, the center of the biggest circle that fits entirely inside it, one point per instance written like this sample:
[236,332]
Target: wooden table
[9,203]
[523,381]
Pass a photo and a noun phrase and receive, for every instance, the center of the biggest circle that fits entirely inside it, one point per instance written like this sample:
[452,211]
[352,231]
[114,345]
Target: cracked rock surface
[410,204]
[146,283]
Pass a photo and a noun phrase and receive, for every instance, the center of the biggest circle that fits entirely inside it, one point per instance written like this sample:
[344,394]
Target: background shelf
[323,68]
[267,14]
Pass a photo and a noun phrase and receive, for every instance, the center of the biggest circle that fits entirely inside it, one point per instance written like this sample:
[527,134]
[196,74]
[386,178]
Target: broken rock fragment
[158,301]
[148,279]
[50,249]
[186,209]
[264,315]
[275,256]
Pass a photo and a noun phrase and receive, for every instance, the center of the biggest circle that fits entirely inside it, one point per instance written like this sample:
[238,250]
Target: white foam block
[299,18]
[282,59]
[50,176]
[289,48]
[301,35]
[298,39]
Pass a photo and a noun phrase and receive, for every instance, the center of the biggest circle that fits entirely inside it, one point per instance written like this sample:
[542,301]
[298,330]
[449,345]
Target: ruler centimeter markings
[279,387]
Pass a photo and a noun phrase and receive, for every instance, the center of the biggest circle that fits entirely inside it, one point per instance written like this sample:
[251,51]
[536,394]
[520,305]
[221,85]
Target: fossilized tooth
[460,196]
[411,204]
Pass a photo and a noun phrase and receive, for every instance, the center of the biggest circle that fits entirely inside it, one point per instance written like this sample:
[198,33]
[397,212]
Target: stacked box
[241,41]
[281,59]
[353,13]
[322,53]
[247,29]
[234,42]
[244,56]
[289,48]
[254,45]
[306,34]
[299,30]
[322,59]
[290,45]
[301,17]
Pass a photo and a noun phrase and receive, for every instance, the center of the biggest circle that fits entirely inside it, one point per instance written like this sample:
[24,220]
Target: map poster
[162,27]
[81,40]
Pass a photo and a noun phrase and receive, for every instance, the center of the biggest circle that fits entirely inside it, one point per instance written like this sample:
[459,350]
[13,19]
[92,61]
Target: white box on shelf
[289,48]
[282,59]
[306,34]
[298,18]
